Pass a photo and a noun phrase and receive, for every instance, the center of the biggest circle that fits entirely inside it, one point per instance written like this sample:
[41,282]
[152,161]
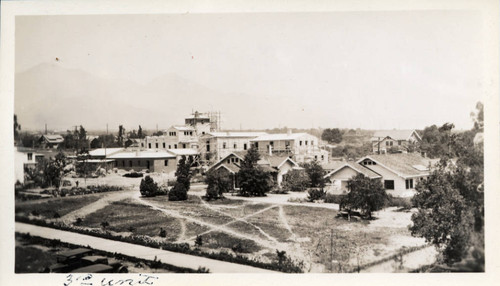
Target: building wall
[22,159]
[155,165]
[338,181]
[399,182]
[302,149]
[287,166]
[223,146]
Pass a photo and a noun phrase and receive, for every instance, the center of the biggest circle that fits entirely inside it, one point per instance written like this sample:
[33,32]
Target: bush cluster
[315,194]
[133,175]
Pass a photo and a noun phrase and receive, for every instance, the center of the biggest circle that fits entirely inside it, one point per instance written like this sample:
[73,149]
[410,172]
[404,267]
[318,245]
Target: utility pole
[105,153]
[331,249]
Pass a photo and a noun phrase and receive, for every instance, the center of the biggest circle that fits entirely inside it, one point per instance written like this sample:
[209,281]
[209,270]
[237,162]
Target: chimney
[289,132]
[270,150]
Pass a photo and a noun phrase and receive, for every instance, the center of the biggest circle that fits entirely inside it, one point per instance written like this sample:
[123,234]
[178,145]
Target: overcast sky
[372,70]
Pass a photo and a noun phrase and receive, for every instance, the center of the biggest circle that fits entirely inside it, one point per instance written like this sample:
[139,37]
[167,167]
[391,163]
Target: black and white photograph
[282,139]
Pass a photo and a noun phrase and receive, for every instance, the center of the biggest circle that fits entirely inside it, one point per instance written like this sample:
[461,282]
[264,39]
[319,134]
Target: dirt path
[95,206]
[214,227]
[284,221]
[134,250]
[182,234]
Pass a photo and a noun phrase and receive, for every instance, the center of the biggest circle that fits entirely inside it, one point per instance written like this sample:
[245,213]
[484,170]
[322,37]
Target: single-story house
[337,178]
[277,166]
[400,172]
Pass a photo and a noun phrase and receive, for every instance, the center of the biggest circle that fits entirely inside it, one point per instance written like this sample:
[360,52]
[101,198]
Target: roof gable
[395,134]
[357,168]
[402,164]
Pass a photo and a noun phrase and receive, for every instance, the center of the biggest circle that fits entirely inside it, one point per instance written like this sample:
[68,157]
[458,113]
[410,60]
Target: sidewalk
[169,257]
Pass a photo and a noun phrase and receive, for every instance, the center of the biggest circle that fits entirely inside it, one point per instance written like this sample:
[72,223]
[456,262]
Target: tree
[253,180]
[444,217]
[332,135]
[139,133]
[218,184]
[295,181]
[436,142]
[148,187]
[478,117]
[54,170]
[183,174]
[17,128]
[121,133]
[316,174]
[365,194]
[451,202]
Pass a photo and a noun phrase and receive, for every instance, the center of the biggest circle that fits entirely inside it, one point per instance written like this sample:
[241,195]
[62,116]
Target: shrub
[315,194]
[163,232]
[104,224]
[78,221]
[133,175]
[402,203]
[333,199]
[218,184]
[295,181]
[148,187]
[178,193]
[199,241]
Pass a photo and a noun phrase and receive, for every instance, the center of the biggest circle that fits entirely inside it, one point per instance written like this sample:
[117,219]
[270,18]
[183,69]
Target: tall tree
[17,128]
[121,134]
[253,180]
[316,174]
[451,202]
[183,175]
[139,133]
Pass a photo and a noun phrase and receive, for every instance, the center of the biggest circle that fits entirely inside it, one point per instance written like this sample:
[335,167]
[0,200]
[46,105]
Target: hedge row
[119,256]
[175,247]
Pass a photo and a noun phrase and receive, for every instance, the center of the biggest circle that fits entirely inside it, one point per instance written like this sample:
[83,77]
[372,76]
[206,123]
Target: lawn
[52,208]
[128,216]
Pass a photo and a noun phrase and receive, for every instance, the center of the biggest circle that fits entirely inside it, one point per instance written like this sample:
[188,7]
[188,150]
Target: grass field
[254,229]
[48,208]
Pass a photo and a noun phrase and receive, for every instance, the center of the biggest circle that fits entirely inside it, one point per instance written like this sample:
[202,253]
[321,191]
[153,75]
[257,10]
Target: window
[203,133]
[315,157]
[30,156]
[149,145]
[235,146]
[223,145]
[184,145]
[191,133]
[156,145]
[175,146]
[300,143]
[130,163]
[228,161]
[164,145]
[389,184]
[245,146]
[271,143]
[305,142]
[208,146]
[312,142]
[322,157]
[169,146]
[391,143]
[399,142]
[386,143]
[257,145]
[409,184]
[142,144]
[232,160]
[165,163]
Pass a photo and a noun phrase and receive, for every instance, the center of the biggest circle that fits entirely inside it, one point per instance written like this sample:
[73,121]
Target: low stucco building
[25,158]
[217,145]
[337,178]
[154,161]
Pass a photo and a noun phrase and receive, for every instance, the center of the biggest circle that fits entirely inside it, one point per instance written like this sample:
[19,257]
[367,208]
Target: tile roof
[403,164]
[394,134]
